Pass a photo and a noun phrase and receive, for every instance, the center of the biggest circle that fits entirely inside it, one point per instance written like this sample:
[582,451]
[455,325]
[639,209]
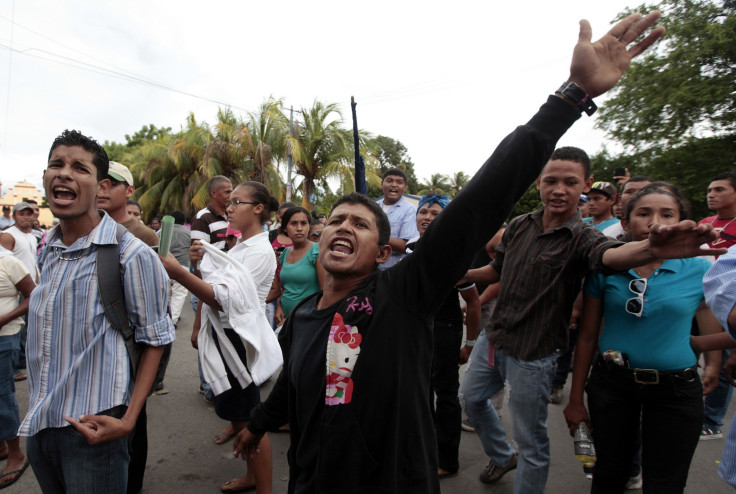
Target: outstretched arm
[665,242]
[489,197]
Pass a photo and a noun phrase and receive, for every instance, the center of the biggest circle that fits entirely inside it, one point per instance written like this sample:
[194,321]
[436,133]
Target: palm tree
[322,150]
[437,183]
[171,172]
[457,182]
[269,128]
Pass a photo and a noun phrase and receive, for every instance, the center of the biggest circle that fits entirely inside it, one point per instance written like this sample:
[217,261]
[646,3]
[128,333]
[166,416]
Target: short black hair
[178,217]
[577,155]
[394,171]
[75,138]
[384,226]
[216,182]
[730,176]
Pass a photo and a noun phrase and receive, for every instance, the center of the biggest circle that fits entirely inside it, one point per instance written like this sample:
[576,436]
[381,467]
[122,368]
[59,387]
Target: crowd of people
[361,311]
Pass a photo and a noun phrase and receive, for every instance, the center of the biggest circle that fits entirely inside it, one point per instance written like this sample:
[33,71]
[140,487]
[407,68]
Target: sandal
[20,377]
[226,487]
[17,474]
[224,436]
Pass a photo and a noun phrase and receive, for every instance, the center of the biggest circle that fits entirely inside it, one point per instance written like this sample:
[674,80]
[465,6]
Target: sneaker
[492,472]
[465,425]
[634,483]
[708,433]
[556,395]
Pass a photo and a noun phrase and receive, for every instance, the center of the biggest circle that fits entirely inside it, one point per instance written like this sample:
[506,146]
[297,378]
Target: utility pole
[291,158]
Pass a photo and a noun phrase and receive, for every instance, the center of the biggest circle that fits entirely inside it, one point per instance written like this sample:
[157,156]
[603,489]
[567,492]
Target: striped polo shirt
[207,226]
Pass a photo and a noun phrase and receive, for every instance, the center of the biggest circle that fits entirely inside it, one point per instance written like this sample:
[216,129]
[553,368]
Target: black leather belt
[651,376]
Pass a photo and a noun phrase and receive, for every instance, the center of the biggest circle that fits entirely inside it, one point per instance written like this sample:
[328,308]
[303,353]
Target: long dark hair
[665,188]
[261,195]
[286,217]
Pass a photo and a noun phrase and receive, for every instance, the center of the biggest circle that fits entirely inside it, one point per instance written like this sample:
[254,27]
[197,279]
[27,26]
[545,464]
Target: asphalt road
[184,459]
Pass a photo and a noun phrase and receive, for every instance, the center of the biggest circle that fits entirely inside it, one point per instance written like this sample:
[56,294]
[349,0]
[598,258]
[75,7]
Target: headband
[442,200]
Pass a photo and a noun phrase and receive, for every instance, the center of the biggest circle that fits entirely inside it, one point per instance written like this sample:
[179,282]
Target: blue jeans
[206,388]
[716,403]
[528,399]
[9,415]
[63,462]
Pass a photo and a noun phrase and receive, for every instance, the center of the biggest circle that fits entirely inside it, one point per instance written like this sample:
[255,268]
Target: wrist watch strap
[578,97]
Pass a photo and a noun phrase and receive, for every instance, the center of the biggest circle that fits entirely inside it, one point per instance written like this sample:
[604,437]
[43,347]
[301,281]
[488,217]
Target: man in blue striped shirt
[78,365]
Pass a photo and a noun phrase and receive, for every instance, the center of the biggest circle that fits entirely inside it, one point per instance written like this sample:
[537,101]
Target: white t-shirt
[25,249]
[11,272]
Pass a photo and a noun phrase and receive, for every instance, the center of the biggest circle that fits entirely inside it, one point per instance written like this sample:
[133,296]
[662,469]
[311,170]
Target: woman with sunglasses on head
[644,370]
[249,207]
[301,274]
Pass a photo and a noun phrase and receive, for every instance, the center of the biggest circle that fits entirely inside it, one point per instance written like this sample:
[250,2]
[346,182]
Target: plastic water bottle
[585,449]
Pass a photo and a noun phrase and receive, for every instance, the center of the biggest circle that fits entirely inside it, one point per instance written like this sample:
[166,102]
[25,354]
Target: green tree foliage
[437,184]
[389,153]
[321,149]
[686,87]
[457,181]
[530,201]
[675,109]
[172,169]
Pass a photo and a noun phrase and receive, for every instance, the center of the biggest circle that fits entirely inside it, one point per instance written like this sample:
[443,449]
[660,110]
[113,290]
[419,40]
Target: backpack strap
[113,298]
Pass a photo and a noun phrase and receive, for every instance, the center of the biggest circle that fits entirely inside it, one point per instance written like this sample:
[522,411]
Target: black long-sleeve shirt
[375,433]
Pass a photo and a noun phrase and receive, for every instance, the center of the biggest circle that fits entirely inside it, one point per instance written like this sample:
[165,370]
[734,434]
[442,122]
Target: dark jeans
[671,415]
[564,361]
[63,462]
[9,415]
[19,355]
[445,383]
[716,403]
[138,449]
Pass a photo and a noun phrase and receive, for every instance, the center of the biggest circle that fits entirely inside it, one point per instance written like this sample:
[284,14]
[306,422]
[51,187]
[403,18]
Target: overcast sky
[447,79]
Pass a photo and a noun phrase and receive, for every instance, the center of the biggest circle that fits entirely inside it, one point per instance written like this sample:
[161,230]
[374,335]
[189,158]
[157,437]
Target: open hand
[683,239]
[597,67]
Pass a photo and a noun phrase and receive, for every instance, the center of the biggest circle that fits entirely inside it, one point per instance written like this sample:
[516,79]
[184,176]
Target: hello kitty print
[343,348]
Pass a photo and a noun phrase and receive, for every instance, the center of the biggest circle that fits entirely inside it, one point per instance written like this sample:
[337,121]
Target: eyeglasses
[315,234]
[237,202]
[635,306]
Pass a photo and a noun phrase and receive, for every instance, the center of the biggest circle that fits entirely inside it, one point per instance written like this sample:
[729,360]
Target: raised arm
[487,200]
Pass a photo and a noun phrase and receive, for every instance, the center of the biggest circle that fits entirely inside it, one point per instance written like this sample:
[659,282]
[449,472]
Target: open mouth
[63,195]
[341,247]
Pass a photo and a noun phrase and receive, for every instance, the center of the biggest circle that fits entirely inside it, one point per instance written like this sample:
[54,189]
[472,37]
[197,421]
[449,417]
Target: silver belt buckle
[646,372]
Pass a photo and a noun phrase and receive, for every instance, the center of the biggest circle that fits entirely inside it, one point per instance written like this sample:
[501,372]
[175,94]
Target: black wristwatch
[578,97]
